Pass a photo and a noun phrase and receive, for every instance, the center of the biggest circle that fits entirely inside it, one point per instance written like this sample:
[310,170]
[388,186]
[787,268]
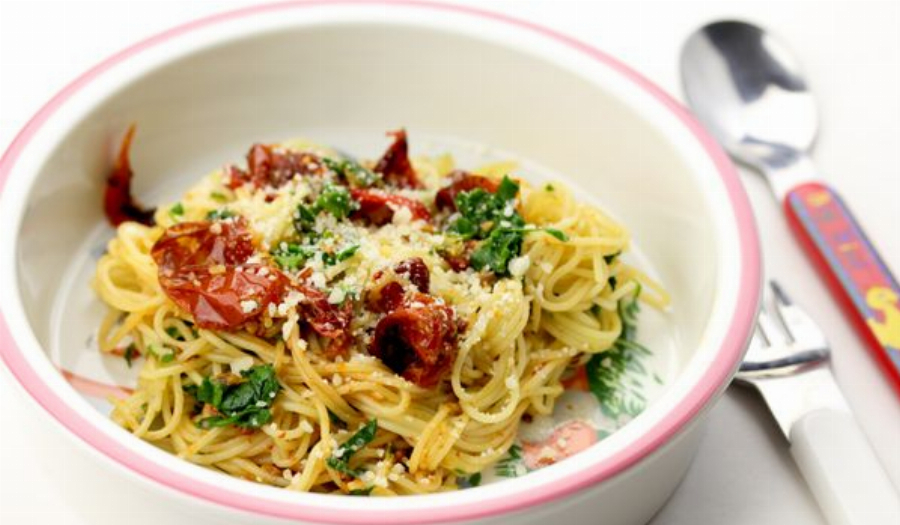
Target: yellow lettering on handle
[884,300]
[819,198]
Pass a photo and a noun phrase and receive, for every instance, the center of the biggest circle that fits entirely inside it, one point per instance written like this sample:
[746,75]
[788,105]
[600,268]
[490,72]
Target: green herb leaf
[218,196]
[174,333]
[246,404]
[464,228]
[220,214]
[492,217]
[292,256]
[131,352]
[466,482]
[304,219]
[350,170]
[210,392]
[164,355]
[497,250]
[479,208]
[362,492]
[559,234]
[176,212]
[340,458]
[335,420]
[507,190]
[330,259]
[335,200]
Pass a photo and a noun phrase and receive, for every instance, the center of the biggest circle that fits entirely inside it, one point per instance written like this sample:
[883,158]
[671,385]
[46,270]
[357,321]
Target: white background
[743,473]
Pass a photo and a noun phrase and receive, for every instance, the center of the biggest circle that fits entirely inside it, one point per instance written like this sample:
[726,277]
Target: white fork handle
[842,471]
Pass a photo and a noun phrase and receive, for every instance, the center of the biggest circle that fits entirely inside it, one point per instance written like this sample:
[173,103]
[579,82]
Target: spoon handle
[852,267]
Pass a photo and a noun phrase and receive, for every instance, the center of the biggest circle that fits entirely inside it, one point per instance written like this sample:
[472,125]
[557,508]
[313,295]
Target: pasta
[317,324]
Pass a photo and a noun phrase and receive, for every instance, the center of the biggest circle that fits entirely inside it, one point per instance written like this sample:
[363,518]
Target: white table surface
[743,473]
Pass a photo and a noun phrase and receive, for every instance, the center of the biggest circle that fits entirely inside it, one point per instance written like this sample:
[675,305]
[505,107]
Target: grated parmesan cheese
[241,363]
[402,215]
[249,305]
[318,279]
[519,265]
[337,295]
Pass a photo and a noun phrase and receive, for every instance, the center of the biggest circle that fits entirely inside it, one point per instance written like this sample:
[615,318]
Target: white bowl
[343,74]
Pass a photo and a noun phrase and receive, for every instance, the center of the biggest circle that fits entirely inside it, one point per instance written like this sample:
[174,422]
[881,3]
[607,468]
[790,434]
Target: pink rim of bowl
[714,379]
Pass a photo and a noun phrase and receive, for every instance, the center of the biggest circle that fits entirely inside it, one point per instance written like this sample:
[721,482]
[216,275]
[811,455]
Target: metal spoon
[747,89]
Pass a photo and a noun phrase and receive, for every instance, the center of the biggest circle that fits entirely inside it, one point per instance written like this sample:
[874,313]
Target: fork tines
[787,338]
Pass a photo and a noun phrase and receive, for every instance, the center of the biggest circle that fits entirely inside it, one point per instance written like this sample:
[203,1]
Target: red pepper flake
[118,202]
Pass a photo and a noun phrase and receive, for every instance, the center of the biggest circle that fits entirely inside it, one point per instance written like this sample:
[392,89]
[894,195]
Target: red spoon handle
[852,268]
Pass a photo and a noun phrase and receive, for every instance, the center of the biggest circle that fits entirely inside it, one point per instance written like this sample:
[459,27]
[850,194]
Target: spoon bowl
[748,90]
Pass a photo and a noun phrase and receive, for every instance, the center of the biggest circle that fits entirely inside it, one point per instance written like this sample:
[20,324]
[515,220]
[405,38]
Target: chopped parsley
[292,256]
[131,352]
[481,211]
[559,234]
[304,219]
[464,481]
[218,196]
[176,212]
[164,355]
[497,250]
[173,332]
[335,420]
[340,458]
[357,175]
[335,200]
[362,492]
[246,404]
[220,214]
[609,259]
[330,259]
[493,219]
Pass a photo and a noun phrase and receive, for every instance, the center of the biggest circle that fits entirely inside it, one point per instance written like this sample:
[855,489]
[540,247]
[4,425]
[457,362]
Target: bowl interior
[345,84]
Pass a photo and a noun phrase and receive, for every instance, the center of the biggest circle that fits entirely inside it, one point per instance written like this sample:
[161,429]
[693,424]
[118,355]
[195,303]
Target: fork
[788,362]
